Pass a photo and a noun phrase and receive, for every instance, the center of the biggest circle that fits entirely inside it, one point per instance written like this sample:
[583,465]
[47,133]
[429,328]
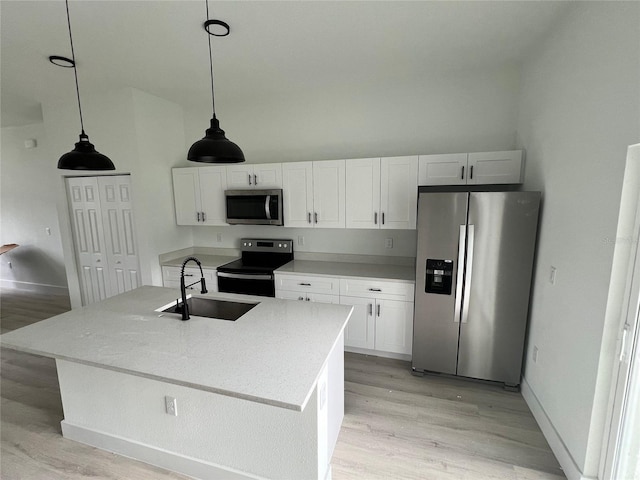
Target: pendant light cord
[213,100]
[75,71]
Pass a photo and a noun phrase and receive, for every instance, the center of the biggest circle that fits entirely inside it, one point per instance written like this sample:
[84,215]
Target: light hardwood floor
[396,426]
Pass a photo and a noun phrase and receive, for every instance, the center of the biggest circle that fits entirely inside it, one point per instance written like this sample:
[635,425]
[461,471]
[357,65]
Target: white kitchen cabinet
[360,330]
[482,168]
[266,175]
[383,315]
[171,277]
[314,194]
[310,288]
[381,192]
[199,195]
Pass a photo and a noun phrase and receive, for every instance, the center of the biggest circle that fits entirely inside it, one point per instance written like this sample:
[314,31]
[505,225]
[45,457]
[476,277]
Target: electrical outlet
[388,242]
[48,230]
[219,238]
[300,240]
[171,406]
[534,355]
[552,275]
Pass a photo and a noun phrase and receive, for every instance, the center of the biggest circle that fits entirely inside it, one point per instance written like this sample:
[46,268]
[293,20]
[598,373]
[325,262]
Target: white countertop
[273,354]
[207,261]
[355,270]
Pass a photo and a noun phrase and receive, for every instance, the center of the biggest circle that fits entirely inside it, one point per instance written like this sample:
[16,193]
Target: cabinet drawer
[311,284]
[382,289]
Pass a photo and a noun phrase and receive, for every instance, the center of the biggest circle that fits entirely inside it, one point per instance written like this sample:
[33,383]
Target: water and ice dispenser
[439,277]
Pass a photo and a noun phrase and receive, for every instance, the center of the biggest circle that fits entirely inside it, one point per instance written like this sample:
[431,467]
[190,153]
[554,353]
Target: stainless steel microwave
[254,207]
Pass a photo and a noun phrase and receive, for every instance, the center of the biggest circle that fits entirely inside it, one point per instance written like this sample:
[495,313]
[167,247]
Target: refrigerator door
[441,232]
[501,242]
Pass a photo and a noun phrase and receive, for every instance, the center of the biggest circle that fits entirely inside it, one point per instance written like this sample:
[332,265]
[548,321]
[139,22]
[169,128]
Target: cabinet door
[360,328]
[398,192]
[297,191]
[394,326]
[495,167]
[213,183]
[328,194]
[449,169]
[362,193]
[239,176]
[267,175]
[119,229]
[186,195]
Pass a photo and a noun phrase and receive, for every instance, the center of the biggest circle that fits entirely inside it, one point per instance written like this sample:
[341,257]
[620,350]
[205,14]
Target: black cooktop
[260,256]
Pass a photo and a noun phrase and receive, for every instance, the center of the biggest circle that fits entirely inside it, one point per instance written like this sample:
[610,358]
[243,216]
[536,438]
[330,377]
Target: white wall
[28,207]
[578,113]
[143,135]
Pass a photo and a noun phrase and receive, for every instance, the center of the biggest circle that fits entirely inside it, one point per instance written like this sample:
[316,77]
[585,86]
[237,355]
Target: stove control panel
[273,245]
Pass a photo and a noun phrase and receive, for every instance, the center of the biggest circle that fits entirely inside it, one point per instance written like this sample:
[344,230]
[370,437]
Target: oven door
[247,283]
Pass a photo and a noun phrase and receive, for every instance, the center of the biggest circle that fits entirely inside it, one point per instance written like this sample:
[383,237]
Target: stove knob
[249,243]
[284,245]
[279,245]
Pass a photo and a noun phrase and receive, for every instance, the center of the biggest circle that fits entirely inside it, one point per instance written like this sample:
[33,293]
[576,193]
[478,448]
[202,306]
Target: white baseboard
[152,455]
[559,449]
[34,287]
[378,353]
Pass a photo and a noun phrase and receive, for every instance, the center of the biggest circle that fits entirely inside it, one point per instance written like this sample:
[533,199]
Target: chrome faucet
[183,288]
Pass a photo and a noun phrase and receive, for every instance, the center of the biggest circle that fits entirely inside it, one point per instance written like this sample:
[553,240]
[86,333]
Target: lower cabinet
[171,277]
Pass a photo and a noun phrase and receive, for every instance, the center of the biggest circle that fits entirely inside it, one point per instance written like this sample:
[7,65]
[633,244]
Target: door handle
[244,276]
[203,217]
[471,172]
[370,309]
[300,298]
[309,216]
[198,215]
[249,179]
[315,216]
[383,218]
[375,290]
[304,284]
[267,212]
[459,281]
[462,174]
[468,273]
[255,179]
[378,309]
[375,218]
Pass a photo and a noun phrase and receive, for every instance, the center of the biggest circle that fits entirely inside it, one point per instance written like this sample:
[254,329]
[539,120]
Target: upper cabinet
[314,194]
[199,195]
[381,192]
[266,175]
[471,168]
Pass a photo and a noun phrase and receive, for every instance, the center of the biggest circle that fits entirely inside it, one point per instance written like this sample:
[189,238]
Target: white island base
[213,436]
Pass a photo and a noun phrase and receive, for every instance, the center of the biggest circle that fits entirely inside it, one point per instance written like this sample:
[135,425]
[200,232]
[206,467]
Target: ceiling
[274,49]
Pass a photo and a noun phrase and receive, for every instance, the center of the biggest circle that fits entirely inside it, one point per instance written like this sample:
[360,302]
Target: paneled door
[104,235]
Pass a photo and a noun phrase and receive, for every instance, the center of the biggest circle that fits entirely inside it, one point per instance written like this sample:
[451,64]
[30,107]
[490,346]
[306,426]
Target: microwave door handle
[266,207]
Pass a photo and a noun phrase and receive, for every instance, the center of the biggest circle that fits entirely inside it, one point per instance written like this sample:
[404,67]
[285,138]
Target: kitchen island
[259,397]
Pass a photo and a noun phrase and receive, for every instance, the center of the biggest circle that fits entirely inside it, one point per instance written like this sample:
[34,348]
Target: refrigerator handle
[467,277]
[459,281]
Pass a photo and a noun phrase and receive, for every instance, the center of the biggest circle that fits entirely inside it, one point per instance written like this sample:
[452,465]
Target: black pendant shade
[215,147]
[85,157]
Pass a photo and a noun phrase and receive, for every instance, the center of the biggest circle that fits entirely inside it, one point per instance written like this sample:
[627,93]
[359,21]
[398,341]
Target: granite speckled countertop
[273,354]
[353,270]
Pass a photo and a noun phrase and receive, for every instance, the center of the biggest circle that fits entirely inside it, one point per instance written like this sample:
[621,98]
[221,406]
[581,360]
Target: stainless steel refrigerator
[473,277]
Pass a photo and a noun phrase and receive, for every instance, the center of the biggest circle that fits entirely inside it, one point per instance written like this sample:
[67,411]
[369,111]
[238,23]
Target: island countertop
[273,354]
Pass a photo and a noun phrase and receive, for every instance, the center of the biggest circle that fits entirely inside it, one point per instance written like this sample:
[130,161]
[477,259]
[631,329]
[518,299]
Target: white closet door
[84,202]
[119,233]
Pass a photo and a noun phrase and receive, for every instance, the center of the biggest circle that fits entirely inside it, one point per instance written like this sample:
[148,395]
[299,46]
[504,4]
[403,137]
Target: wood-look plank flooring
[396,425]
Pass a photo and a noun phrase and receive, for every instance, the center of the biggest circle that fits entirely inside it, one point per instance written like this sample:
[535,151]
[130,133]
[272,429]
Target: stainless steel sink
[212,308]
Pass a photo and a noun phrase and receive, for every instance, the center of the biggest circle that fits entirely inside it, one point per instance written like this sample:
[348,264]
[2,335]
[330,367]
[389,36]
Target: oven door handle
[266,207]
[245,276]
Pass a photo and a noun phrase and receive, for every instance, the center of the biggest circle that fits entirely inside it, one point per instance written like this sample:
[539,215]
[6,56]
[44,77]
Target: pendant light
[215,147]
[84,156]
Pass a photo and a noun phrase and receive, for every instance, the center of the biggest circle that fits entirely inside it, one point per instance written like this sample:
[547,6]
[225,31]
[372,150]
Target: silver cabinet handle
[309,216]
[203,217]
[375,218]
[375,290]
[315,216]
[467,273]
[462,174]
[305,284]
[370,309]
[458,305]
[471,172]
[198,215]
[300,298]
[308,299]
[242,276]
[255,179]
[383,218]
[378,309]
[249,179]
[267,212]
